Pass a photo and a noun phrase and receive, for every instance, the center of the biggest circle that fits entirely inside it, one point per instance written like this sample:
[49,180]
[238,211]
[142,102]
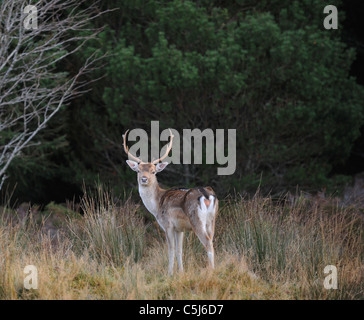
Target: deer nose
[144,179]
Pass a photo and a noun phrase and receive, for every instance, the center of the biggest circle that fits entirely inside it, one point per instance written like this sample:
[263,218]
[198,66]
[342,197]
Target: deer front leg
[179,246]
[171,249]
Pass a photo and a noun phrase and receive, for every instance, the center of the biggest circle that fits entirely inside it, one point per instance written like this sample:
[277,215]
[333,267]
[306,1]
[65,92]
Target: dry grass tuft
[264,250]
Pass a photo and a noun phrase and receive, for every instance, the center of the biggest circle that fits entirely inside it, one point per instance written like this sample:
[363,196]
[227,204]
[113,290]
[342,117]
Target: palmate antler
[154,161]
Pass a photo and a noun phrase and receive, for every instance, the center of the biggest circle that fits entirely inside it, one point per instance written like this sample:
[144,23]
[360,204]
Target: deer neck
[150,196]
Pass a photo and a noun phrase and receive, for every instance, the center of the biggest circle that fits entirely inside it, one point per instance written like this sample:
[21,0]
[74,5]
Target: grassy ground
[264,250]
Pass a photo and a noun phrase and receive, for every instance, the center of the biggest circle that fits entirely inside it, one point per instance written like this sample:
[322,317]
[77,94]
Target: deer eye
[153,172]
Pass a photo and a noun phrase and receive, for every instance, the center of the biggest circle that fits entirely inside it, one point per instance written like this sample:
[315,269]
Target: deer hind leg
[171,249]
[204,226]
[179,245]
[211,215]
[208,245]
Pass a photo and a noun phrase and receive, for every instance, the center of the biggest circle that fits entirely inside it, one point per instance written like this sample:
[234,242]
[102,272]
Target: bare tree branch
[32,91]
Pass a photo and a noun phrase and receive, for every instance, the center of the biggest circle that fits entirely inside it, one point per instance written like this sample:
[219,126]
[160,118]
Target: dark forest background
[292,90]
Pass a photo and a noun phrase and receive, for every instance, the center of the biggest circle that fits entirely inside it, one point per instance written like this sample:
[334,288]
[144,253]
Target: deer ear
[133,165]
[161,166]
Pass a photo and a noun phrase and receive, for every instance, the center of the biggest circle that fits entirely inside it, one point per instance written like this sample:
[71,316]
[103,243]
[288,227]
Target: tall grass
[111,231]
[264,250]
[293,244]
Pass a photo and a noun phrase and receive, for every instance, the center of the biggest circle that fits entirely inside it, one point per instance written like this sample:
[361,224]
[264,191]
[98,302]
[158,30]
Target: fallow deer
[176,209]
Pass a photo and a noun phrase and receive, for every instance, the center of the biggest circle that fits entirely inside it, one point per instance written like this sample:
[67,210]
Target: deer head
[147,170]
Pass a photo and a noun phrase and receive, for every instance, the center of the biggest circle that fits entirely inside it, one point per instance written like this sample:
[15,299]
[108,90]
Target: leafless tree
[32,89]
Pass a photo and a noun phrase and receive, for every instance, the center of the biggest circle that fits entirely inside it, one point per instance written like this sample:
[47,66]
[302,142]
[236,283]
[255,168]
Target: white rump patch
[211,208]
[203,211]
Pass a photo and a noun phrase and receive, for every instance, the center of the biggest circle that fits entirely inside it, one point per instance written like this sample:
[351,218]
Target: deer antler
[168,149]
[127,150]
